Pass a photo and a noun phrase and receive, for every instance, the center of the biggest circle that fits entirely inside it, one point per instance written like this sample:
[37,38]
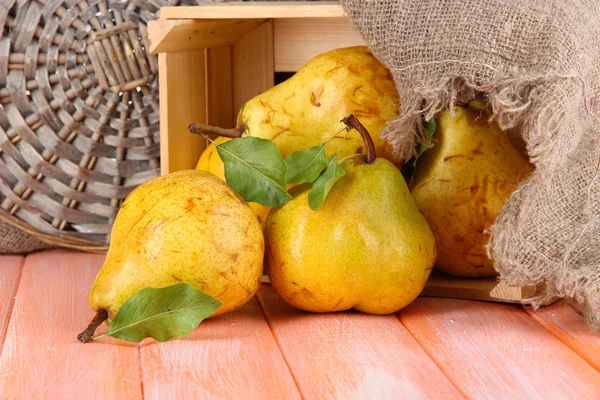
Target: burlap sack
[539,63]
[14,241]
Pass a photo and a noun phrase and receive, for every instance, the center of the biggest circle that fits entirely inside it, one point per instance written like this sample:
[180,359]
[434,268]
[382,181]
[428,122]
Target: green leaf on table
[324,183]
[305,166]
[162,314]
[255,169]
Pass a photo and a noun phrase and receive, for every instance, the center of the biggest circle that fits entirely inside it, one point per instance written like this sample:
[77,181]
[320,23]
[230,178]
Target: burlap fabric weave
[539,63]
[15,241]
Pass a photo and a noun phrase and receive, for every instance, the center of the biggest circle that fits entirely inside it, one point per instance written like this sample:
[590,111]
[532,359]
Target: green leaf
[324,183]
[255,170]
[305,166]
[162,314]
[430,128]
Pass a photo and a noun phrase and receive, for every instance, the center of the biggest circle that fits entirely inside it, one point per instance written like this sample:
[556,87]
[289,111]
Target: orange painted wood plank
[10,270]
[498,351]
[570,327]
[232,356]
[41,357]
[351,355]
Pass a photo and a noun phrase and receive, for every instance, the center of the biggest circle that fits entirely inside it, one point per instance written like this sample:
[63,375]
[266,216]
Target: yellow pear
[188,226]
[210,161]
[306,109]
[366,248]
[462,183]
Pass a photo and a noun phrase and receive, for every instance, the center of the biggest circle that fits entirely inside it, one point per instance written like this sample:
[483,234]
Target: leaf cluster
[255,169]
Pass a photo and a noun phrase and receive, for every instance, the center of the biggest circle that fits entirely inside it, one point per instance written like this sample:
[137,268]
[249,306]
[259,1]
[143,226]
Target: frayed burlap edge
[510,100]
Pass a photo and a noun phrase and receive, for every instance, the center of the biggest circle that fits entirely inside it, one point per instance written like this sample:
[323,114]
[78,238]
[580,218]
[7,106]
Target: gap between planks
[11,271]
[562,322]
[492,350]
[233,355]
[50,308]
[570,328]
[270,324]
[362,355]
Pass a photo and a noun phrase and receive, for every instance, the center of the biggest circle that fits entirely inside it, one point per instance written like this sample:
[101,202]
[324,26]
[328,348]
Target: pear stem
[352,122]
[200,128]
[86,335]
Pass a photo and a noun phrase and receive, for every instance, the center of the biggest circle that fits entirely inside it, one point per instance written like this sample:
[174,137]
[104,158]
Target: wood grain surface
[497,351]
[229,357]
[570,328]
[183,83]
[167,36]
[487,289]
[41,357]
[253,65]
[239,10]
[435,348]
[10,272]
[350,355]
[292,35]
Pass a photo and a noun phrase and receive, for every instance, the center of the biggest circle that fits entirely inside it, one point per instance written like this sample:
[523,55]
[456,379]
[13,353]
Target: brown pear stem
[352,122]
[86,335]
[200,128]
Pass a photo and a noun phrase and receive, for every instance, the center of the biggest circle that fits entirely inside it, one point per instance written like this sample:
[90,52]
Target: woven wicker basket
[78,115]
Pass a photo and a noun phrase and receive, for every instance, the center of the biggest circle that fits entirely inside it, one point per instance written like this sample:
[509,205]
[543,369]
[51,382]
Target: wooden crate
[213,58]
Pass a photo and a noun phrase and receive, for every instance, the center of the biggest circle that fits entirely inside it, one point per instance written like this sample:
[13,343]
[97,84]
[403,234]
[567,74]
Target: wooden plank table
[435,348]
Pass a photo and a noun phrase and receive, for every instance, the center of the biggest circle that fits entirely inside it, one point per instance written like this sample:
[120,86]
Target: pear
[462,183]
[211,162]
[367,248]
[305,110]
[187,226]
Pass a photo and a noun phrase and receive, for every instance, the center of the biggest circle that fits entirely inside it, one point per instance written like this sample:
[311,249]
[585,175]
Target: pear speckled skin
[462,183]
[188,226]
[307,109]
[367,248]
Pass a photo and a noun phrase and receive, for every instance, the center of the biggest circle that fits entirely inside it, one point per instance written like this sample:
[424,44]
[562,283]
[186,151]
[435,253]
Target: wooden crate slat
[486,289]
[219,87]
[289,9]
[570,327]
[168,36]
[494,350]
[233,356]
[41,357]
[10,271]
[293,35]
[353,355]
[183,101]
[253,66]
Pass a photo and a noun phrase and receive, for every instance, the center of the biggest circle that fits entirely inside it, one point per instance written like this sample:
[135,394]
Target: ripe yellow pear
[188,226]
[306,109]
[461,184]
[210,161]
[367,248]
